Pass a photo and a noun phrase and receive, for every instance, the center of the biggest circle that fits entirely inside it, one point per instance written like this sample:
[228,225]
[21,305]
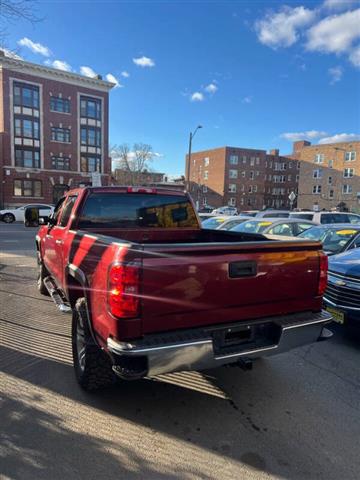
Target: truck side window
[66,211]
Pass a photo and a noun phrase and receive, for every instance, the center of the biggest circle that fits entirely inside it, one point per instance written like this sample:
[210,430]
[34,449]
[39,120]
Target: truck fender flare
[75,272]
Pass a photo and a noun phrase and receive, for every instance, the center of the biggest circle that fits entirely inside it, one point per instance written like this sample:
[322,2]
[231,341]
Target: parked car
[214,222]
[232,222]
[274,226]
[249,213]
[342,296]
[151,292]
[18,214]
[335,238]
[327,217]
[225,211]
[273,214]
[205,216]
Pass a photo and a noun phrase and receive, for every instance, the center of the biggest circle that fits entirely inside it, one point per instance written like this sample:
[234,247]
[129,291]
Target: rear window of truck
[137,210]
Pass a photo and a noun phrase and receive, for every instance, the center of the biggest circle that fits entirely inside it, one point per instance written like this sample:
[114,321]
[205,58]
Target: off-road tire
[42,273]
[8,218]
[93,367]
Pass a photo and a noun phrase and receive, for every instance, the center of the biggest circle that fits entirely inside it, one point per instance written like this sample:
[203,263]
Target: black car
[342,295]
[336,238]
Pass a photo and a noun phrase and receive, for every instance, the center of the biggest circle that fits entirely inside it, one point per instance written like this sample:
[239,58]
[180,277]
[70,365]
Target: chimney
[98,77]
[299,145]
[274,151]
[2,53]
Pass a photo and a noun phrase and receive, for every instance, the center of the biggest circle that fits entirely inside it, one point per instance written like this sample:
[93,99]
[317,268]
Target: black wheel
[93,367]
[8,218]
[42,273]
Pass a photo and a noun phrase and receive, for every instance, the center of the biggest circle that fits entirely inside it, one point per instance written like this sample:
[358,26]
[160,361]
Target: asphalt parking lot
[294,416]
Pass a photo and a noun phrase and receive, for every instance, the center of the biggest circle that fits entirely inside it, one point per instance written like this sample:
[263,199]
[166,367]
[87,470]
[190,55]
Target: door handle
[59,242]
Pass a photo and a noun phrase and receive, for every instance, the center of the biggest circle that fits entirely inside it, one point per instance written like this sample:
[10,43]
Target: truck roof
[130,189]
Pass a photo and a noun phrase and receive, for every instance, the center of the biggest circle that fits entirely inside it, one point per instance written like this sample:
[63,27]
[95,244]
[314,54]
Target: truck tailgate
[184,286]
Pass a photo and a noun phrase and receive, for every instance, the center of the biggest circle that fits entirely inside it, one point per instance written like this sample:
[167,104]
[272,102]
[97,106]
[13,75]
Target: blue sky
[263,72]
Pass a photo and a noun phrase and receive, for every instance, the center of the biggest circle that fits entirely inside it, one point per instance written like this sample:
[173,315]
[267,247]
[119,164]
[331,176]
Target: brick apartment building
[53,131]
[241,177]
[329,175]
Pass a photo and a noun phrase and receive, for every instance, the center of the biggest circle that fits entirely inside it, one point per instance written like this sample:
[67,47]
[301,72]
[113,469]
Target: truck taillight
[323,264]
[123,294]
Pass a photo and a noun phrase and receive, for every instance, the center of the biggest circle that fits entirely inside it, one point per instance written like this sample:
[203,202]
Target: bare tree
[12,11]
[135,162]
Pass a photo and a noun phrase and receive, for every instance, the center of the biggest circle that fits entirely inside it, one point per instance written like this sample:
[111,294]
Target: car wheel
[8,218]
[93,367]
[42,273]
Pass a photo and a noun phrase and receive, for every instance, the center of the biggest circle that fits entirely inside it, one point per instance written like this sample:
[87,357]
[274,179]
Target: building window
[317,173]
[27,188]
[242,201]
[347,189]
[27,128]
[290,164]
[60,163]
[91,136]
[233,174]
[60,134]
[250,189]
[319,158]
[27,158]
[297,178]
[243,173]
[350,156]
[348,172]
[317,189]
[243,188]
[244,159]
[331,193]
[90,108]
[289,178]
[206,175]
[234,159]
[206,161]
[204,201]
[329,180]
[204,189]
[232,201]
[298,165]
[232,187]
[90,163]
[26,95]
[251,175]
[255,188]
[331,163]
[257,160]
[252,161]
[58,104]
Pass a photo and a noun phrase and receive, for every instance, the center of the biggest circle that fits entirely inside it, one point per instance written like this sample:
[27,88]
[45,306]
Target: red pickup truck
[152,292]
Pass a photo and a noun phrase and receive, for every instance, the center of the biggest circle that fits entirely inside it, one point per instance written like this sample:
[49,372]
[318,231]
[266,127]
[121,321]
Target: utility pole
[191,136]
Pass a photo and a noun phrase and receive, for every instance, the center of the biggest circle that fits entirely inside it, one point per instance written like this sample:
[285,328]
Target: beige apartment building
[329,176]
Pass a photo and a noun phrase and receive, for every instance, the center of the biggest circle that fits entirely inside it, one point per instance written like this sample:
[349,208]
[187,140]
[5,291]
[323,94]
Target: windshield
[213,223]
[252,226]
[333,240]
[136,210]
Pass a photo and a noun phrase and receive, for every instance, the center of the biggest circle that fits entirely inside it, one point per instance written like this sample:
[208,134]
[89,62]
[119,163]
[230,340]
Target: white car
[327,217]
[225,211]
[18,214]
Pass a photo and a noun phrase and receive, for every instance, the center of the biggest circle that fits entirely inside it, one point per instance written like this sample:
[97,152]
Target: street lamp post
[192,135]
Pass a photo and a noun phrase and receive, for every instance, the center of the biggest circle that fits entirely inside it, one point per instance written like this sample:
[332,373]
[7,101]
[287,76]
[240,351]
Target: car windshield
[253,226]
[213,223]
[333,240]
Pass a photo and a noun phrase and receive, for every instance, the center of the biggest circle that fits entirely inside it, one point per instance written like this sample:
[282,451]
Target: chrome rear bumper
[159,354]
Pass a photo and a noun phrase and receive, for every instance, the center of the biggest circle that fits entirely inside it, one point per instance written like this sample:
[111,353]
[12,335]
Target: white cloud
[338,4]
[35,47]
[281,29]
[197,97]
[307,135]
[144,62]
[11,54]
[336,74]
[247,99]
[354,56]
[125,74]
[59,64]
[211,88]
[87,72]
[334,34]
[341,137]
[112,79]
